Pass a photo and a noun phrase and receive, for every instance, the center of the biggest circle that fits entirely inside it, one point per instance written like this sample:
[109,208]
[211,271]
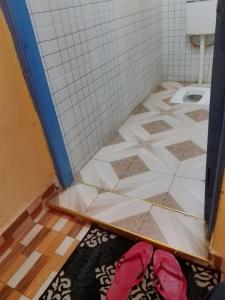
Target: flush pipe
[202,56]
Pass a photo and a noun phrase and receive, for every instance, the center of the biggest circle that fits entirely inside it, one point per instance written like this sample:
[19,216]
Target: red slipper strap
[129,258]
[162,266]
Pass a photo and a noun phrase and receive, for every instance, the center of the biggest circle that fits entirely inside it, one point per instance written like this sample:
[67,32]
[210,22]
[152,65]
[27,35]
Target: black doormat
[88,273]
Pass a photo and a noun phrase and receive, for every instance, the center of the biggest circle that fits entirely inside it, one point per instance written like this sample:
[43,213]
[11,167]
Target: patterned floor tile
[158,155]
[121,166]
[160,102]
[115,139]
[132,224]
[168,101]
[140,109]
[189,194]
[194,168]
[157,199]
[148,185]
[185,150]
[198,115]
[99,174]
[183,232]
[151,125]
[136,167]
[170,202]
[117,152]
[157,126]
[77,198]
[111,208]
[162,148]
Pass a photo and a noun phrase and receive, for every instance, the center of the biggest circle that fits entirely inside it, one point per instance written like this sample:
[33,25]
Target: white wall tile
[102,58]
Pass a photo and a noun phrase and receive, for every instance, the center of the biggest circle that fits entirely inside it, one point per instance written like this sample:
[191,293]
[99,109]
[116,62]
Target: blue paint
[18,18]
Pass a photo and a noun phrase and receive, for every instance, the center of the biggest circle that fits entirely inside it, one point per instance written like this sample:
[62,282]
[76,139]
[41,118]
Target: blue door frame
[18,19]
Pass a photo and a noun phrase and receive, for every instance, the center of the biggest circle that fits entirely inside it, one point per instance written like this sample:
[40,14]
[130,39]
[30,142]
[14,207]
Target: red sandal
[170,280]
[130,270]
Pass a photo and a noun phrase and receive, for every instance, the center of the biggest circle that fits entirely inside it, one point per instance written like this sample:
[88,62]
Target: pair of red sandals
[170,281]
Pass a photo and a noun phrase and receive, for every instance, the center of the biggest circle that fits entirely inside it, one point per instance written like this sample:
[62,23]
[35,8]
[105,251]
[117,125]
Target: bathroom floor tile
[99,174]
[194,168]
[116,152]
[150,127]
[120,166]
[136,167]
[149,176]
[148,185]
[140,109]
[131,224]
[167,153]
[180,231]
[170,202]
[189,194]
[116,138]
[77,198]
[168,101]
[158,199]
[157,126]
[111,208]
[198,115]
[185,150]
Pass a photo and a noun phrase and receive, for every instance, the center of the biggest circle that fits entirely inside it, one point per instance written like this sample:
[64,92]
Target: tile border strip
[129,234]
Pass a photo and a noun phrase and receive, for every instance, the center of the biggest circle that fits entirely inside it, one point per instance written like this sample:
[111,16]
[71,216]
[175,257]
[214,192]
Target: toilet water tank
[201,17]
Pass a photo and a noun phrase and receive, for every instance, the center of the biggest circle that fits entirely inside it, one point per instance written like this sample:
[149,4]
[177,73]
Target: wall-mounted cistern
[201,21]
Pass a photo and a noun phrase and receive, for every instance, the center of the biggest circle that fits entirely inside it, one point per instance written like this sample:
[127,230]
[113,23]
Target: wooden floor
[28,266]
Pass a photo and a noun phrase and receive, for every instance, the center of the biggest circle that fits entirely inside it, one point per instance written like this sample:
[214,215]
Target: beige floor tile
[177,230]
[198,115]
[131,224]
[185,150]
[157,126]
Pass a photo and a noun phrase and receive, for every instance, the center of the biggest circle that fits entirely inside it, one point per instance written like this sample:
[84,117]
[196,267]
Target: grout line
[133,198]
[178,211]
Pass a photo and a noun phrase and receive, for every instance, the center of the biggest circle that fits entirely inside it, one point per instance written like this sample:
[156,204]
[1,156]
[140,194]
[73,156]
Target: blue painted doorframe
[17,16]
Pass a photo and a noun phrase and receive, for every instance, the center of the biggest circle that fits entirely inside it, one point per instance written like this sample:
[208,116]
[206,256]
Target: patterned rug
[88,273]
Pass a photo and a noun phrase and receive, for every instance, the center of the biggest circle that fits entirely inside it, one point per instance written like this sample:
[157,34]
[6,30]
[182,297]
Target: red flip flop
[170,280]
[130,270]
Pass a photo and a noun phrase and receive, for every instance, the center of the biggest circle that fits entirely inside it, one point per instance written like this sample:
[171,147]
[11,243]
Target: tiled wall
[102,58]
[180,60]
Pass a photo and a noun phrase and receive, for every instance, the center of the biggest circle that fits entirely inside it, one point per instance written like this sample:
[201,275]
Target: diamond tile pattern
[185,150]
[128,167]
[137,167]
[152,172]
[170,202]
[198,115]
[115,139]
[157,126]
[140,109]
[168,102]
[157,199]
[120,166]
